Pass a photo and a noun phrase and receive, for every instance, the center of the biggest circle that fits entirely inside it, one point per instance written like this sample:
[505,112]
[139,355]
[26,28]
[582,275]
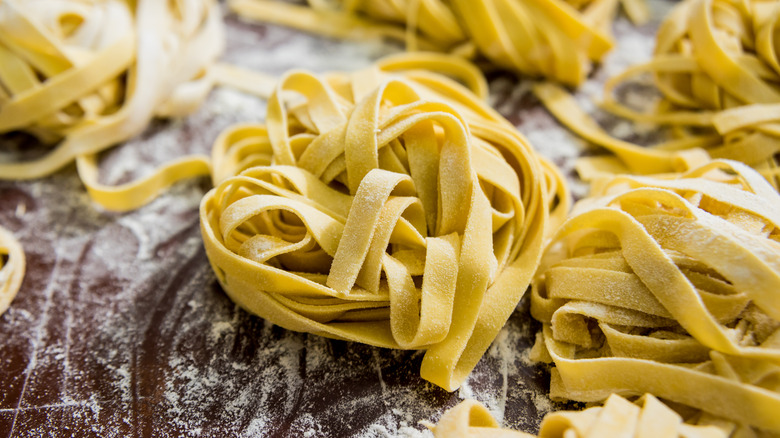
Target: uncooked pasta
[555,39]
[618,418]
[716,67]
[670,287]
[84,76]
[390,206]
[12,266]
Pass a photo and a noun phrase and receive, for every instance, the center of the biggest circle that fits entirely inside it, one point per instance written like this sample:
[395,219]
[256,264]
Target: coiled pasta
[555,39]
[12,266]
[646,417]
[84,76]
[668,287]
[390,207]
[716,67]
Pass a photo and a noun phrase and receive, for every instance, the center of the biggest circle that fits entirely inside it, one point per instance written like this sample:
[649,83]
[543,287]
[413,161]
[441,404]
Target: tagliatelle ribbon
[646,417]
[12,267]
[391,206]
[669,287]
[716,66]
[89,76]
[556,39]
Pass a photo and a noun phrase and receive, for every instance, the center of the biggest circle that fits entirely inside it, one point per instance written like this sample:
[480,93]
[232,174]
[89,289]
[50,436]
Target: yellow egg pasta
[12,266]
[390,206]
[716,68]
[618,418]
[84,76]
[671,287]
[555,39]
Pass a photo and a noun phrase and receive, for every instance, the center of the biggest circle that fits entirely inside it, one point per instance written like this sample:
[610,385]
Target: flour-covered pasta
[618,418]
[390,206]
[556,39]
[669,287]
[84,76]
[716,67]
[12,266]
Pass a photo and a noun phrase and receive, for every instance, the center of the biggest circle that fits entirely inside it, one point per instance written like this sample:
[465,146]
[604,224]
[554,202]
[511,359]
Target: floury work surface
[120,328]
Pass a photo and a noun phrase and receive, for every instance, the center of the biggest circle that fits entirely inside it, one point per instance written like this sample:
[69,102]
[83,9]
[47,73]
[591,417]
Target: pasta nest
[618,417]
[12,267]
[717,68]
[719,54]
[711,55]
[552,38]
[391,207]
[85,75]
[555,39]
[668,287]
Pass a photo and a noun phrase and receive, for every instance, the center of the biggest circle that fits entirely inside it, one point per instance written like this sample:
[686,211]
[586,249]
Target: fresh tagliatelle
[717,68]
[555,39]
[390,206]
[669,287]
[86,75]
[12,266]
[647,417]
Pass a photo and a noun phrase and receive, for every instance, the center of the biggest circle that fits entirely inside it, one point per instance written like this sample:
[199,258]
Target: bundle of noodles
[391,207]
[556,39]
[86,75]
[12,266]
[645,418]
[669,287]
[717,70]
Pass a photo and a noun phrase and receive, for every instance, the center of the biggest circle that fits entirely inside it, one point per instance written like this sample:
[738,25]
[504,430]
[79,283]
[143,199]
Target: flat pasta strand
[716,68]
[390,206]
[646,417]
[12,267]
[86,76]
[669,287]
[555,39]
